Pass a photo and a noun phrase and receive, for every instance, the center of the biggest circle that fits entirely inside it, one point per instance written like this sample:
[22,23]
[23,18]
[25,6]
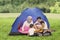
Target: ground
[6,21]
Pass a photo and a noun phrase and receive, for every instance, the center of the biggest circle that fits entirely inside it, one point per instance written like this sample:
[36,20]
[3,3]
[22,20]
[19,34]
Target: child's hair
[38,18]
[31,25]
[42,22]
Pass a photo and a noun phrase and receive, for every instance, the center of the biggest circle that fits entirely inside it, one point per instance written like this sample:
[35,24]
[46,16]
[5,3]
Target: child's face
[32,26]
[43,24]
[39,20]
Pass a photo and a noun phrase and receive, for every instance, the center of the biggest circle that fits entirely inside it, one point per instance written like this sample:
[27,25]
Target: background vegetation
[16,6]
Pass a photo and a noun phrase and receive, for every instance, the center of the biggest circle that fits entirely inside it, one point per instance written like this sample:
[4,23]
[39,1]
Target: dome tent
[34,12]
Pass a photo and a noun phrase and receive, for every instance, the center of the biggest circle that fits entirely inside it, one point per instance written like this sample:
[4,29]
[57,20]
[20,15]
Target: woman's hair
[38,18]
[31,25]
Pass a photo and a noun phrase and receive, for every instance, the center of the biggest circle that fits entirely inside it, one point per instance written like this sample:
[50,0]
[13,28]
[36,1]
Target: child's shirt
[31,31]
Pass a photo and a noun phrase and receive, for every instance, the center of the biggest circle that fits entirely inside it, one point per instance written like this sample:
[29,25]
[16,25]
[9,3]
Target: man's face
[39,20]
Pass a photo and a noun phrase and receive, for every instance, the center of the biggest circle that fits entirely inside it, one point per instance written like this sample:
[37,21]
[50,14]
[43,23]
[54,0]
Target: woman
[26,25]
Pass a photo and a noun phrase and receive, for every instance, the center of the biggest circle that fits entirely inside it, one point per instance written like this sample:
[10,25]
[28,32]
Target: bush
[55,9]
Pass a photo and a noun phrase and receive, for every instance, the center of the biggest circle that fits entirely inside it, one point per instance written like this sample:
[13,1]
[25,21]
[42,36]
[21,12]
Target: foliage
[56,8]
[16,6]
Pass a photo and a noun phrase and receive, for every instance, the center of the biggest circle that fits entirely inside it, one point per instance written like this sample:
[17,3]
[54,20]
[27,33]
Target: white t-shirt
[31,31]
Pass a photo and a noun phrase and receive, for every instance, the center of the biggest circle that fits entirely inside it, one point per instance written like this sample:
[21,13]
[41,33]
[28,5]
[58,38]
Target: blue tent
[34,12]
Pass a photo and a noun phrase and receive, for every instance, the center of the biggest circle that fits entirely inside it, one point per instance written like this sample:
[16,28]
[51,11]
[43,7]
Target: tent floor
[15,33]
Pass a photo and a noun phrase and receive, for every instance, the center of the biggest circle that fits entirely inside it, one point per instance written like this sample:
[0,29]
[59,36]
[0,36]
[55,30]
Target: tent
[34,12]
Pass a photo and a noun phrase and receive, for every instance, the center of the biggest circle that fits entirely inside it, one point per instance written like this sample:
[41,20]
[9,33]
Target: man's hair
[42,22]
[31,25]
[38,18]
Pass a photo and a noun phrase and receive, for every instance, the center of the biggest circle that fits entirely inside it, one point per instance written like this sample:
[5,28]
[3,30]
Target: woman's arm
[23,26]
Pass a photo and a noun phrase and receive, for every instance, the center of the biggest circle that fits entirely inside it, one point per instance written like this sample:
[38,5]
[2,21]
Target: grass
[6,25]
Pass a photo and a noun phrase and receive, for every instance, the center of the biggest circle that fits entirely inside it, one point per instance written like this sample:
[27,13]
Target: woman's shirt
[27,24]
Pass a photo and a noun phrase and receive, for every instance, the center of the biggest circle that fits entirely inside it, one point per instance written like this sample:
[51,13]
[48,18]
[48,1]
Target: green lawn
[7,21]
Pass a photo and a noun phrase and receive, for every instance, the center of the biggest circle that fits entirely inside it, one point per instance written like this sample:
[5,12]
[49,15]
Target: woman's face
[29,20]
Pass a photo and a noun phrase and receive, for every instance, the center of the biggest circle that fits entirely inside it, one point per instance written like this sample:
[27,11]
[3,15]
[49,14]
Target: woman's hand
[22,29]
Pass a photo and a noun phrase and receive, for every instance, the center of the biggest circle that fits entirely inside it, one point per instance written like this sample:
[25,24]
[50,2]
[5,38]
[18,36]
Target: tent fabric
[34,12]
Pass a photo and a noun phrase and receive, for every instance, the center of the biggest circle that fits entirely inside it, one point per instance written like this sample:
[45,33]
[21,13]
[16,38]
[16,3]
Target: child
[31,30]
